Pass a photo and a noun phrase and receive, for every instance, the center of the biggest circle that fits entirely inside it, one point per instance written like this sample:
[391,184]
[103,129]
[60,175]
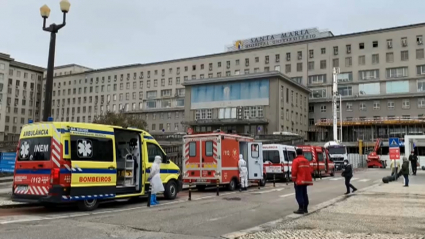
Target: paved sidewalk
[386,211]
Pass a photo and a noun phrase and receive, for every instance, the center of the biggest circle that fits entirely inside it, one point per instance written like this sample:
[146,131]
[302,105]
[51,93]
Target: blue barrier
[7,162]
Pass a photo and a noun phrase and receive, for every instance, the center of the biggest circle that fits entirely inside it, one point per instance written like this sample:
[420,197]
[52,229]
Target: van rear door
[94,168]
[33,167]
[192,158]
[255,161]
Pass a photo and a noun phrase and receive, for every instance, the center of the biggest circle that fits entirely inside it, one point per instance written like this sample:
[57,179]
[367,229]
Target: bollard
[320,174]
[149,195]
[240,185]
[259,184]
[218,186]
[190,190]
[274,180]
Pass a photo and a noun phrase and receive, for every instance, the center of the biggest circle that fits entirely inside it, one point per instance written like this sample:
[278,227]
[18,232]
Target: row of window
[23,111]
[378,118]
[391,87]
[165,127]
[25,75]
[376,105]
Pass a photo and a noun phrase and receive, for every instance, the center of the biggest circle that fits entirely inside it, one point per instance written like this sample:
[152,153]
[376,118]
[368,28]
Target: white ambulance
[277,160]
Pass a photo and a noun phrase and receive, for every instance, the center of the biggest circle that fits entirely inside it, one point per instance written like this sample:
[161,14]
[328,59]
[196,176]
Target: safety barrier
[7,162]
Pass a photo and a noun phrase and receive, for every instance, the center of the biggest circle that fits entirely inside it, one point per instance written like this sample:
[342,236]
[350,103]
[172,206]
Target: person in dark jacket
[405,171]
[414,161]
[347,173]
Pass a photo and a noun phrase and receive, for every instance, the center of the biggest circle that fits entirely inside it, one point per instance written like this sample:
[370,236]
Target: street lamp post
[53,29]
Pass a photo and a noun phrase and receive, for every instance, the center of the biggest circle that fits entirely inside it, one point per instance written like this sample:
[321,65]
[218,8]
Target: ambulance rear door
[93,162]
[255,161]
[192,158]
[209,156]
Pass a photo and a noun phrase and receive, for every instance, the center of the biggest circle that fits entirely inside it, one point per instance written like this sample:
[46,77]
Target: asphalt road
[206,216]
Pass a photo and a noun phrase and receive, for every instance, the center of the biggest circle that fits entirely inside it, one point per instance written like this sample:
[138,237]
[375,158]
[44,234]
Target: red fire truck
[214,156]
[319,159]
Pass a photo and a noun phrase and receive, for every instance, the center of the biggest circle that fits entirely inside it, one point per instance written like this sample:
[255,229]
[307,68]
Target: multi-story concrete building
[20,96]
[381,78]
[68,70]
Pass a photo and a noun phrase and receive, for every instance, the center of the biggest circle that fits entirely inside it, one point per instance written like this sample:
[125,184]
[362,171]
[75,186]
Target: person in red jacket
[302,177]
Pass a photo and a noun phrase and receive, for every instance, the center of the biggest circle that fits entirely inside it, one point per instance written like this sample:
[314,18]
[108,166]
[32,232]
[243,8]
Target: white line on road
[269,191]
[335,179]
[364,180]
[353,179]
[286,195]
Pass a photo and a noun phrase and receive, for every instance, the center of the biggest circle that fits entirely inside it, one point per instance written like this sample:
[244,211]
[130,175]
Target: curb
[24,205]
[272,224]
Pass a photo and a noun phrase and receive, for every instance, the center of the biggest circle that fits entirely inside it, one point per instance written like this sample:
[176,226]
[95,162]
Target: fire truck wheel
[200,187]
[232,185]
[263,181]
[88,204]
[170,190]
[333,172]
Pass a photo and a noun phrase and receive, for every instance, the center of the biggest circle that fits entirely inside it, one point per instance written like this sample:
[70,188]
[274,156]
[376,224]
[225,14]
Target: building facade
[20,96]
[380,78]
[256,103]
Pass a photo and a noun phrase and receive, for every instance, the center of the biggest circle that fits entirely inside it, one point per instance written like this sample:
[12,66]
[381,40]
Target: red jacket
[301,171]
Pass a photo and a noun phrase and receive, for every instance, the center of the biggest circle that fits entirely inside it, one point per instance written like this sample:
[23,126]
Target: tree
[120,119]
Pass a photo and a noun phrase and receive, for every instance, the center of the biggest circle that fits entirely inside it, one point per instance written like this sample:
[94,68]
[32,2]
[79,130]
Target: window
[318,93]
[349,106]
[421,85]
[419,53]
[323,50]
[394,87]
[362,106]
[345,90]
[277,68]
[208,148]
[170,81]
[370,89]
[288,56]
[421,103]
[375,58]
[101,149]
[237,62]
[361,46]
[335,62]
[404,55]
[300,55]
[405,104]
[376,105]
[266,69]
[255,151]
[166,93]
[317,79]
[390,57]
[404,41]
[204,114]
[390,104]
[323,64]
[237,72]
[39,148]
[362,60]
[397,72]
[369,75]
[155,150]
[311,53]
[323,108]
[311,65]
[298,79]
[389,43]
[348,61]
[277,58]
[348,48]
[335,50]
[375,44]
[288,68]
[345,77]
[246,62]
[299,66]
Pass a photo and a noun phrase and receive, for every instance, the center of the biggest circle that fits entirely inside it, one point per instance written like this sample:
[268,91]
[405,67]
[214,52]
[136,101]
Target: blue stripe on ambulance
[85,197]
[33,171]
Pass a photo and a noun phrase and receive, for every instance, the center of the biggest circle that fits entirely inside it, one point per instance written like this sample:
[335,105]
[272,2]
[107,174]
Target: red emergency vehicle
[211,156]
[319,159]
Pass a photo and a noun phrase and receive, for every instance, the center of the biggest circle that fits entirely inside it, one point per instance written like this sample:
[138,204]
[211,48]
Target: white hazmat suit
[243,172]
[155,179]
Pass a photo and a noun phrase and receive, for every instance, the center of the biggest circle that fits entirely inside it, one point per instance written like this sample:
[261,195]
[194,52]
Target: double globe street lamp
[53,29]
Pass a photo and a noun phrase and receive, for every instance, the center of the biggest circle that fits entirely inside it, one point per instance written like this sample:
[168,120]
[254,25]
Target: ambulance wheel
[49,205]
[232,185]
[263,181]
[170,192]
[88,204]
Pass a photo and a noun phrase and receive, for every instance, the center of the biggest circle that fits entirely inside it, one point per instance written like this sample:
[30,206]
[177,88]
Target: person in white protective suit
[155,180]
[243,173]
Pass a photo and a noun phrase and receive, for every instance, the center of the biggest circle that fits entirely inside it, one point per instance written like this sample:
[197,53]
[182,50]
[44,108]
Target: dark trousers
[348,185]
[301,195]
[414,166]
[406,179]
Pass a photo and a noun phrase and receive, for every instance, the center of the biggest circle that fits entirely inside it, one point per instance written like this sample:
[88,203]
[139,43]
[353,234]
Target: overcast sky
[104,33]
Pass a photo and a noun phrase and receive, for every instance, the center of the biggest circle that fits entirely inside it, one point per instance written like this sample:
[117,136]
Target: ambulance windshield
[308,156]
[271,155]
[34,149]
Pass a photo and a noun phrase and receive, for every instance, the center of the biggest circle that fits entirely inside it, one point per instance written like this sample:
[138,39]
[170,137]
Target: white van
[278,160]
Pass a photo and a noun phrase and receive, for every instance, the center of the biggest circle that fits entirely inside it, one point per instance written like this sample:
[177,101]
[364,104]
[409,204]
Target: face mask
[345,163]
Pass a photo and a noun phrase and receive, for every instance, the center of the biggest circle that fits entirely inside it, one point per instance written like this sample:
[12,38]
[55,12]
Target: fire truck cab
[319,159]
[214,156]
[278,161]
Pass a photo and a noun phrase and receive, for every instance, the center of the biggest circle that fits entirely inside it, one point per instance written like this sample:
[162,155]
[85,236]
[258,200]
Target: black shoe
[347,193]
[406,186]
[299,211]
[354,190]
[305,209]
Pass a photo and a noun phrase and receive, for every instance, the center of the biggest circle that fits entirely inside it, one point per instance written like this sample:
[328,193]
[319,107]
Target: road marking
[269,191]
[353,179]
[364,180]
[286,195]
[335,179]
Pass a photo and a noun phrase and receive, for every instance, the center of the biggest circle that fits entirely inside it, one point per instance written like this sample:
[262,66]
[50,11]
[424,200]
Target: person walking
[155,179]
[302,177]
[347,173]
[243,173]
[405,171]
[414,161]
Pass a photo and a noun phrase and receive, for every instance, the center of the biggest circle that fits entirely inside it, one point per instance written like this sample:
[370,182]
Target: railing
[373,121]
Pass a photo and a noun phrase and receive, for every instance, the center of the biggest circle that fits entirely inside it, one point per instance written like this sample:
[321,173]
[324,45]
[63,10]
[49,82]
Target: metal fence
[357,160]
